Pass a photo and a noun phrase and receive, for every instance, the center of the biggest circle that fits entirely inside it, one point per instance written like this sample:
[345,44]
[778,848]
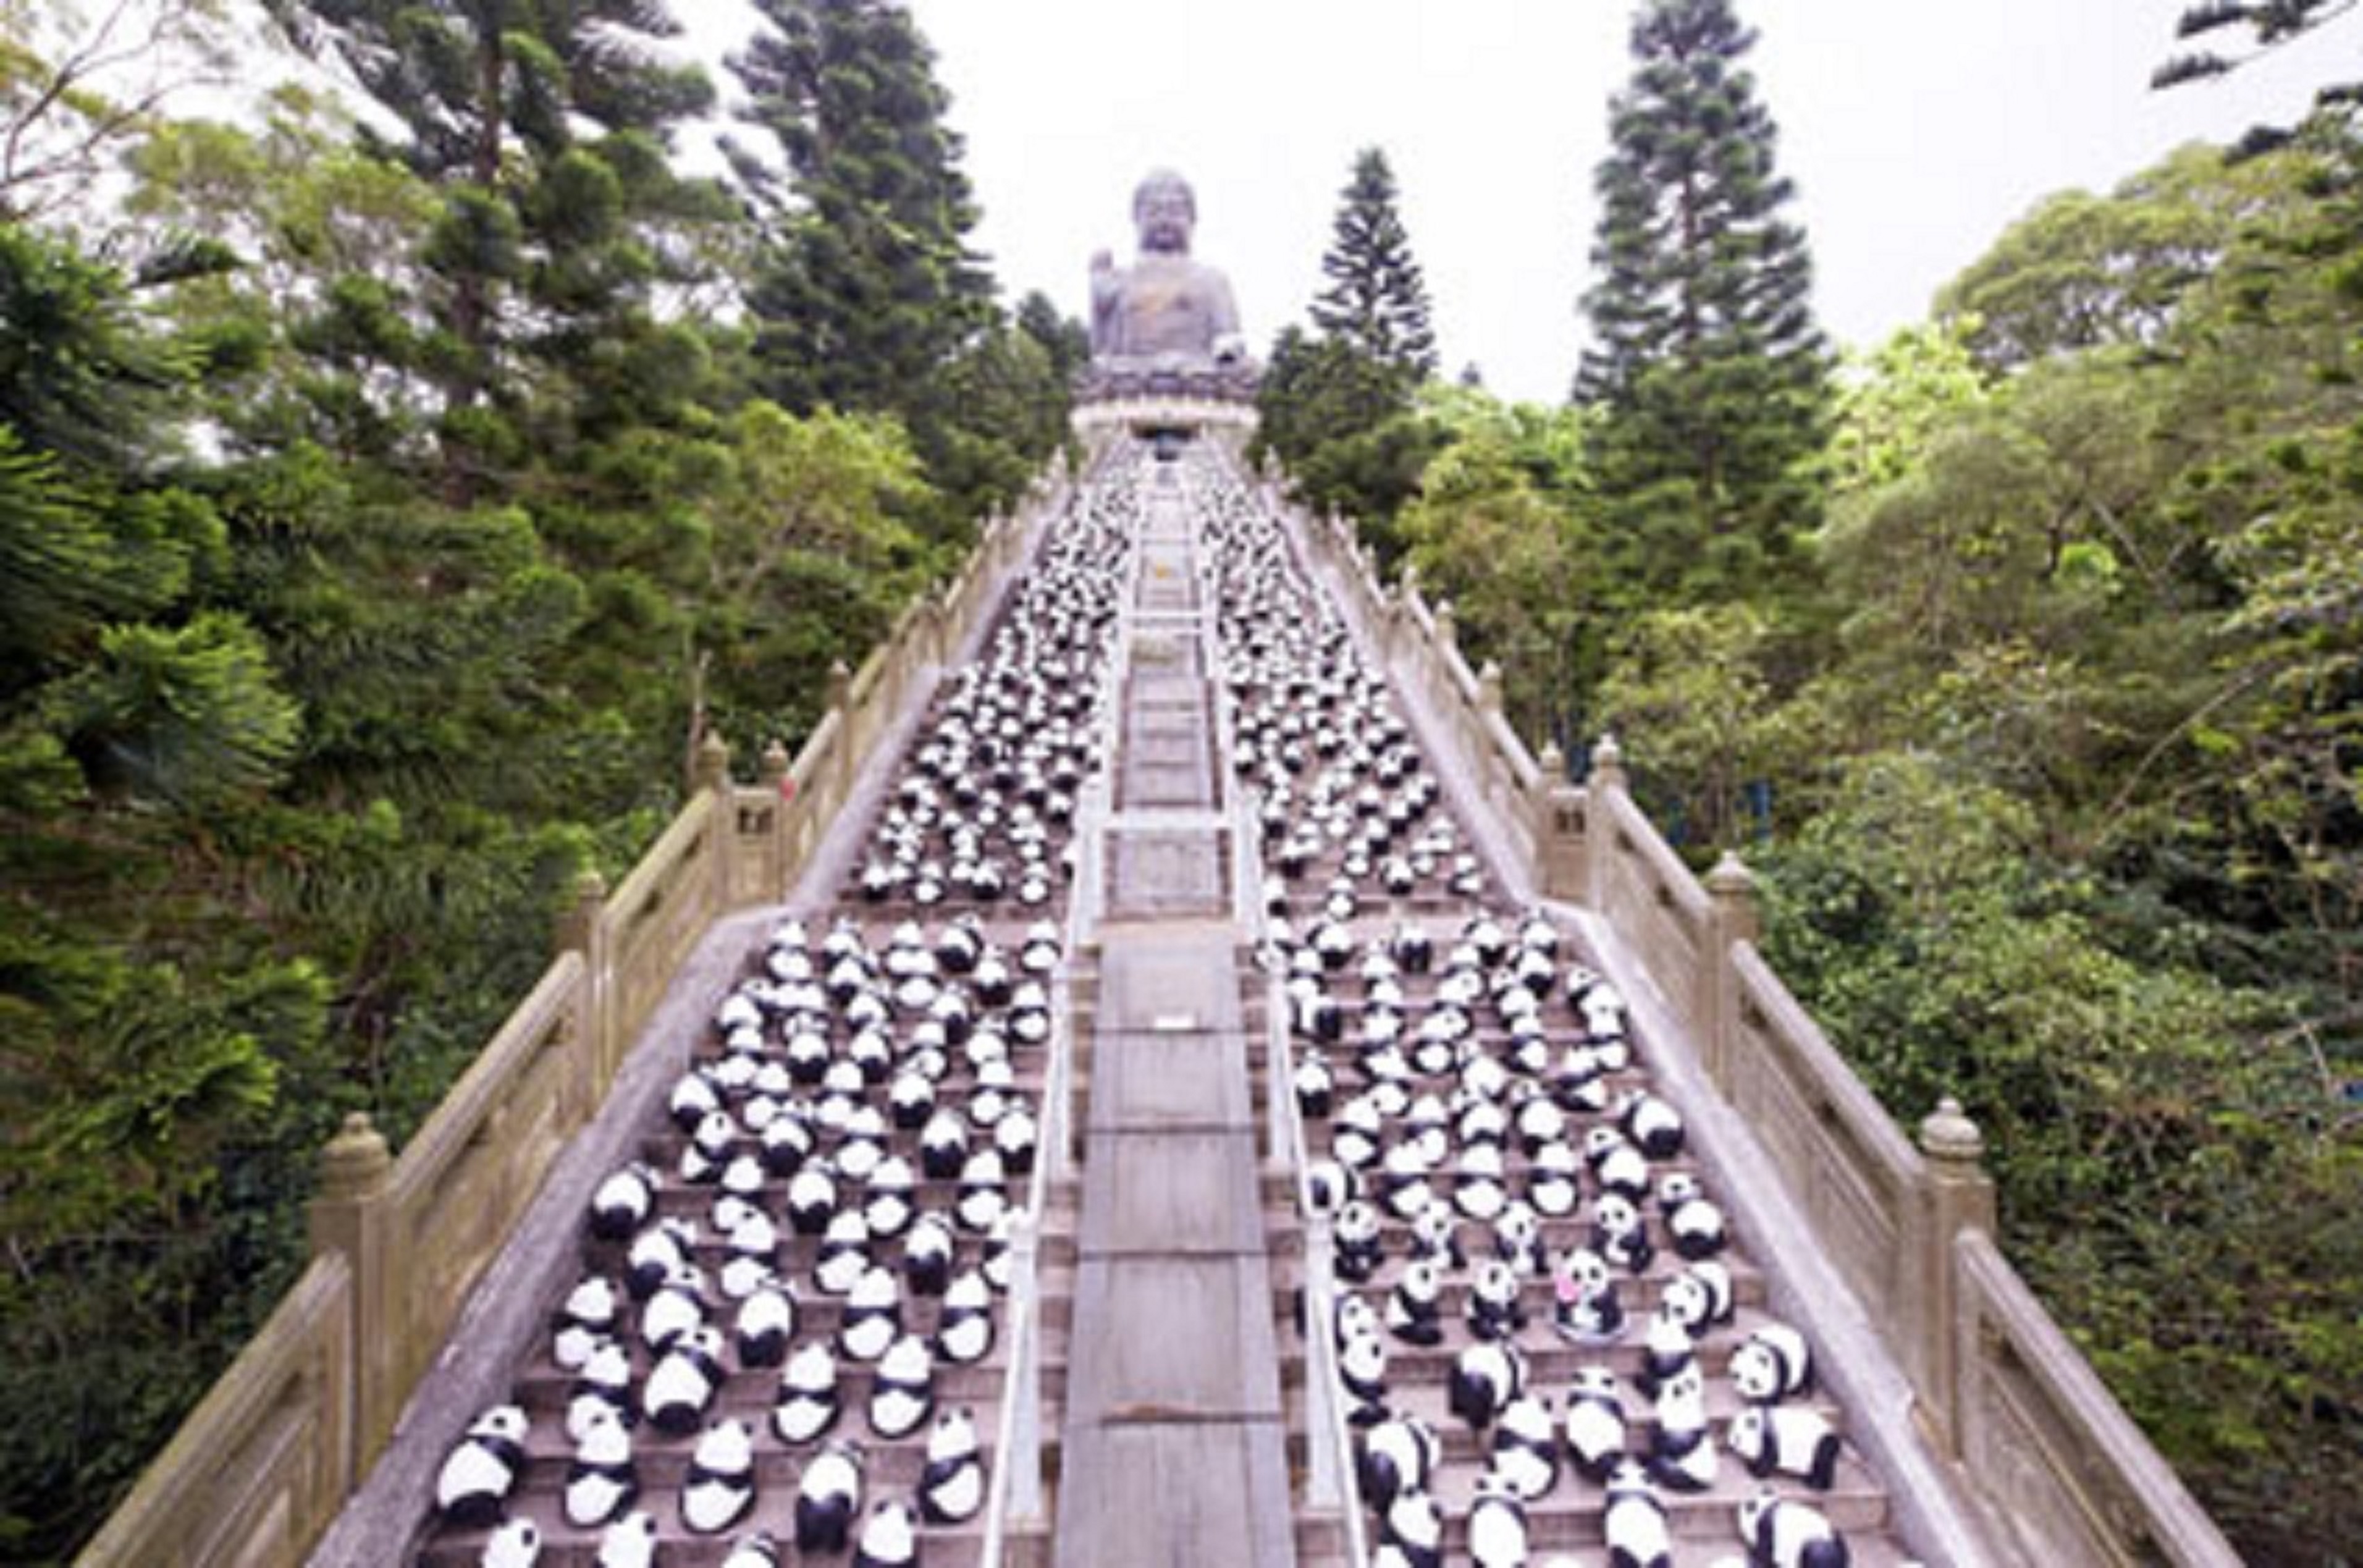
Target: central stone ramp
[1175,1448]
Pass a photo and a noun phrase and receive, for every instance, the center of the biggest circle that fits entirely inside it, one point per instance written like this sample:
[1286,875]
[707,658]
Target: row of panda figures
[821,1225]
[1475,1086]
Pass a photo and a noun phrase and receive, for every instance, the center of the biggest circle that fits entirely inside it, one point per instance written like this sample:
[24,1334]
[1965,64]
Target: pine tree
[1711,375]
[869,286]
[1376,300]
[545,127]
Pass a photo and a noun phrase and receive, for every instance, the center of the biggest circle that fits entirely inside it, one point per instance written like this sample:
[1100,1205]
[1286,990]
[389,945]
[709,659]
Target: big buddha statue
[1167,324]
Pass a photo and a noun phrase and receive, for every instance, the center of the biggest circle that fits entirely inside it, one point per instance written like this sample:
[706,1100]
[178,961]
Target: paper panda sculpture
[1787,1439]
[516,1544]
[1634,1521]
[480,1474]
[1594,1424]
[1773,1365]
[1782,1532]
[1396,1455]
[1525,1447]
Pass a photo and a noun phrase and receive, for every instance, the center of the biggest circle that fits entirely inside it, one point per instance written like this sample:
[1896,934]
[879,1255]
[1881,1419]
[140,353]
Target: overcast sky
[1914,129]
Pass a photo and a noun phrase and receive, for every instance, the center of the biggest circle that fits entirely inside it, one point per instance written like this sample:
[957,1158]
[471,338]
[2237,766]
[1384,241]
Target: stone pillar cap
[355,1161]
[1948,1133]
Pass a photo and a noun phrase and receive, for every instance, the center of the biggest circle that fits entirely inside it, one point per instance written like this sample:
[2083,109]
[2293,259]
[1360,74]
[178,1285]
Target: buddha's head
[1164,211]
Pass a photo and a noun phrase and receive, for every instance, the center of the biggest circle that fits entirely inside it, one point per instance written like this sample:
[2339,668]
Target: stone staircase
[1173,758]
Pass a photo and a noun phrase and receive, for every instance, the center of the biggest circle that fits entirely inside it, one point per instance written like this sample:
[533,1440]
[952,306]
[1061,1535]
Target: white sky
[1914,129]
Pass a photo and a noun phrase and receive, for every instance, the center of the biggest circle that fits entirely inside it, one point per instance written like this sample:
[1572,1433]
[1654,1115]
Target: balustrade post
[351,1215]
[583,929]
[1606,790]
[710,775]
[1731,917]
[772,776]
[1024,1455]
[1958,1195]
[1325,1466]
[847,764]
[1557,810]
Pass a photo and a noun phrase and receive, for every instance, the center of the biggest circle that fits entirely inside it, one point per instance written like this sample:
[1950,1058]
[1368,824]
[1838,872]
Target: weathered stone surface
[1172,1194]
[1173,1079]
[1173,1339]
[1165,873]
[1169,1496]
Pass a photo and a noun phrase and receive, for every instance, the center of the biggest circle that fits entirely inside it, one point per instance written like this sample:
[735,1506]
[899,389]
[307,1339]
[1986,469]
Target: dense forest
[2022,658]
[397,480]
[395,484]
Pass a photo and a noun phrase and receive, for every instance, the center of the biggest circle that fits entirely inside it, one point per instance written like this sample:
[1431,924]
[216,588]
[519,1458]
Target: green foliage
[1343,424]
[1375,300]
[1709,372]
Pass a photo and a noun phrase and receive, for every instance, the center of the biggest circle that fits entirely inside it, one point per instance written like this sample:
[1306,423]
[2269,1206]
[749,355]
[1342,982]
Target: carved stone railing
[263,1465]
[2059,1473]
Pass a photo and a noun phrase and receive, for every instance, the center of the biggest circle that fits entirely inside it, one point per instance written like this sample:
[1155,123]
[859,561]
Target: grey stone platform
[1174,1448]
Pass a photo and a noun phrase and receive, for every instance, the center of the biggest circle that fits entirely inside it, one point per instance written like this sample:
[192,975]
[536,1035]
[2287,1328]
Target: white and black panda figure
[1773,1365]
[1362,1370]
[1682,1455]
[965,1325]
[603,1381]
[682,1386]
[1668,1349]
[1525,1447]
[1518,1240]
[1553,1183]
[479,1474]
[1597,1437]
[624,1202]
[1485,1377]
[516,1544]
[720,1486]
[659,1252]
[786,1143]
[1618,1167]
[1620,1234]
[1634,1521]
[629,1542]
[1414,1307]
[951,1482]
[929,1249]
[1329,1185]
[1787,1439]
[1694,1222]
[843,1257]
[602,1482]
[674,1309]
[694,1098]
[1436,1235]
[828,1498]
[810,1400]
[1396,1455]
[1702,1295]
[1585,1310]
[1497,1525]
[590,1313]
[902,1390]
[1493,1312]
[890,1539]
[1784,1532]
[1689,1302]
[1411,1530]
[811,1197]
[1653,1124]
[759,1550]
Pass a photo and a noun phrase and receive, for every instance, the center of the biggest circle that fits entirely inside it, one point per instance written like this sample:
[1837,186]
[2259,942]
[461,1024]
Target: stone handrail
[265,1460]
[2078,1481]
[262,1468]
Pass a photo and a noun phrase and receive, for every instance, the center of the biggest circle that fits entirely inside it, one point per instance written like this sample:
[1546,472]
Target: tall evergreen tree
[869,286]
[1376,300]
[545,127]
[1712,377]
